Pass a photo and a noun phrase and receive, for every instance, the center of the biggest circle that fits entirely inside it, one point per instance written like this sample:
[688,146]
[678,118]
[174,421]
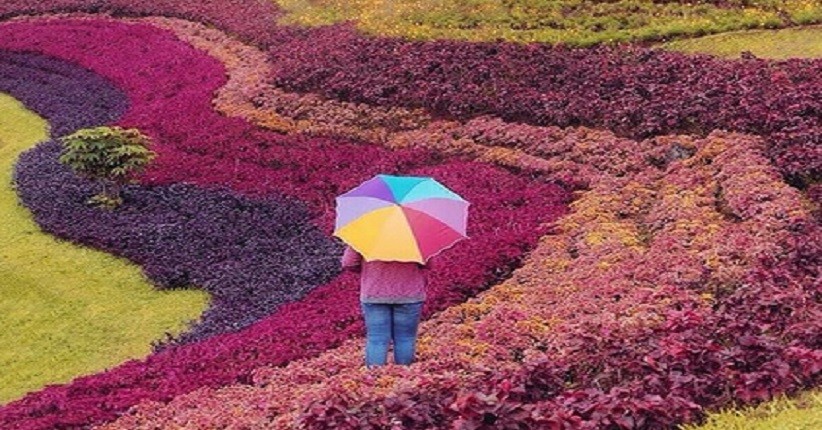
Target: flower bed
[669,290]
[650,99]
[253,20]
[65,303]
[171,101]
[684,278]
[250,255]
[634,92]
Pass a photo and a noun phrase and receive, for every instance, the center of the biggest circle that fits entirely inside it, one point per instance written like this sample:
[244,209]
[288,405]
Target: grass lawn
[67,310]
[803,42]
[802,413]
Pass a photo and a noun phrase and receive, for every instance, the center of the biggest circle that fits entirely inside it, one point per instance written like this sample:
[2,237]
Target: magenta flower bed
[761,339]
[170,85]
[633,92]
[252,20]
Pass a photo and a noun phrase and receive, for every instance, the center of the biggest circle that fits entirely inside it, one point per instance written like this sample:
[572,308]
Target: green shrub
[110,155]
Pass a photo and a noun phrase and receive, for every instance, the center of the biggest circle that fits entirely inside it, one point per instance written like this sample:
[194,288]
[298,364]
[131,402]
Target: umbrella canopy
[400,218]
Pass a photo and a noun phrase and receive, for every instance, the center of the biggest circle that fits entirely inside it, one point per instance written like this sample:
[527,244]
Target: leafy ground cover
[102,311]
[577,303]
[506,144]
[572,22]
[205,148]
[634,92]
[683,278]
[250,255]
[383,84]
[805,42]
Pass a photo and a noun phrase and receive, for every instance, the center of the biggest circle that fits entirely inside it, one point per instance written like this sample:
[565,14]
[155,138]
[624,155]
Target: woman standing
[392,295]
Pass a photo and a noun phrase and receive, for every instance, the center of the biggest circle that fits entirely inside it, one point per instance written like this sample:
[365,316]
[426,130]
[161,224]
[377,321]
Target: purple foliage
[250,255]
[68,96]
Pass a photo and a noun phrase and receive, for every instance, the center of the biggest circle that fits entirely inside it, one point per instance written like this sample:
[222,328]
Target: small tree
[110,155]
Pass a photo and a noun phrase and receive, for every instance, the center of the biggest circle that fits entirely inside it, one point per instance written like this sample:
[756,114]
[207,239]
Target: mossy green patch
[67,310]
[573,22]
[804,42]
[801,413]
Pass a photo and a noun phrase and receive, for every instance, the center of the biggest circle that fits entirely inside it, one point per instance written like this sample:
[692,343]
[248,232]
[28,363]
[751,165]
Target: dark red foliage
[252,20]
[759,340]
[634,92]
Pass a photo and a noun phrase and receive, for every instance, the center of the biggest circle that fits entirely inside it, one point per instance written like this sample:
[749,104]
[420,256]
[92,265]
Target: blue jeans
[386,322]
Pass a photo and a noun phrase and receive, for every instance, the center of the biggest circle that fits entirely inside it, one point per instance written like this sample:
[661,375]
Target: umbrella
[400,218]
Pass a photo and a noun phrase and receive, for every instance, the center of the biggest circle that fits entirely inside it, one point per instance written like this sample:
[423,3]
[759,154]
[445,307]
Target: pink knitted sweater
[387,281]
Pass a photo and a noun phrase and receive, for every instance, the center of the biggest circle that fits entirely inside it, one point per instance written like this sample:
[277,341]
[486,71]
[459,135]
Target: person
[392,294]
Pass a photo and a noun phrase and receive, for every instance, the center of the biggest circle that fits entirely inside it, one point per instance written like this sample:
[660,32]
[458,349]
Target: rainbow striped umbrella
[400,218]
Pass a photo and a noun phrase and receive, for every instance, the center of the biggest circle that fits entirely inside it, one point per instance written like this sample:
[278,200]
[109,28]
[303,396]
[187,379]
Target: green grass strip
[776,44]
[573,22]
[68,310]
[801,413]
